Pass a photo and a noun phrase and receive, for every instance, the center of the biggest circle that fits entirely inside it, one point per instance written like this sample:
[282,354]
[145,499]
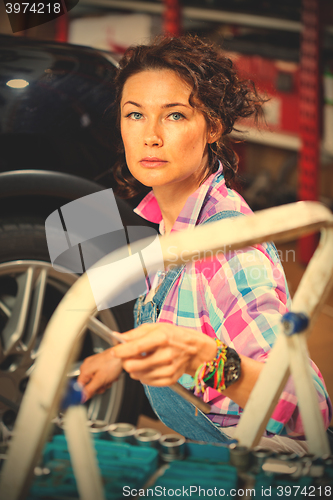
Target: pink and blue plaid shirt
[237,296]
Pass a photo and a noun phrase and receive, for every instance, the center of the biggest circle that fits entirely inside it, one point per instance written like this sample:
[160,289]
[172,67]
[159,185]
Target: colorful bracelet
[212,373]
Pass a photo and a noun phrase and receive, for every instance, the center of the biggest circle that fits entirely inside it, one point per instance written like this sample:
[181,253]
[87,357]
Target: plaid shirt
[237,296]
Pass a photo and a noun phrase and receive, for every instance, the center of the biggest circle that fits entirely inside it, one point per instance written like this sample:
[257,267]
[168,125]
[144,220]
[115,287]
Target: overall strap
[226,214]
[166,286]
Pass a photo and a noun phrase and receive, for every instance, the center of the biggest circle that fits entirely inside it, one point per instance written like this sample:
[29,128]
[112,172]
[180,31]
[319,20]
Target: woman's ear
[215,132]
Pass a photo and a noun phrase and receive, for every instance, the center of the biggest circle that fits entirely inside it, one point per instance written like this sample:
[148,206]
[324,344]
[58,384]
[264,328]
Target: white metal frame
[290,354]
[62,336]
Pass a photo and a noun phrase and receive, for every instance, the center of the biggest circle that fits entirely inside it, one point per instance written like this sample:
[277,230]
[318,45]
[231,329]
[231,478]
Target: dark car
[56,145]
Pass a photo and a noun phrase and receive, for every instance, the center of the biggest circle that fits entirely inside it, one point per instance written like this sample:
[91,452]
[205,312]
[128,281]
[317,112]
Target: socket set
[142,462]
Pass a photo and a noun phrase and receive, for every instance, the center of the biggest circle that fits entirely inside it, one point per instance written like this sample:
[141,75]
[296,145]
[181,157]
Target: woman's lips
[152,162]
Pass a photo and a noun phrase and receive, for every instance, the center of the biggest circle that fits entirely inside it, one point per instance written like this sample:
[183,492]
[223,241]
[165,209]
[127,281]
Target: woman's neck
[171,200]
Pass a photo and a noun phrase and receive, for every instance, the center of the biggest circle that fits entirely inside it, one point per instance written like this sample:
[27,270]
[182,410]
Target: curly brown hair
[217,91]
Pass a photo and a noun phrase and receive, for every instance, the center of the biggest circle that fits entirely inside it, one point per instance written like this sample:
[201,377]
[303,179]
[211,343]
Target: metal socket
[147,437]
[259,456]
[98,428]
[240,457]
[287,455]
[172,447]
[122,432]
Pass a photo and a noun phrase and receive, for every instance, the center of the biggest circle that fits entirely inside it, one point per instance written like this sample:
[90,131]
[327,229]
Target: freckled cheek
[195,139]
[187,141]
[197,144]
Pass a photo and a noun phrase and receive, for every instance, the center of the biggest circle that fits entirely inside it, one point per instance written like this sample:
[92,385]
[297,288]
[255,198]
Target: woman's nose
[153,136]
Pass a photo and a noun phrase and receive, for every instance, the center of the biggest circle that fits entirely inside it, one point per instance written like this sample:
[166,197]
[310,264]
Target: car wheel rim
[29,293]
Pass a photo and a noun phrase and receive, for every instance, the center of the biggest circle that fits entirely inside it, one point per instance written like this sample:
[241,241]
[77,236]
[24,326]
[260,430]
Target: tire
[25,271]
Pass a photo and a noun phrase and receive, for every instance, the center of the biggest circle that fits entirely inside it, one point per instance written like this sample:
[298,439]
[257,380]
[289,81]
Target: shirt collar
[149,209]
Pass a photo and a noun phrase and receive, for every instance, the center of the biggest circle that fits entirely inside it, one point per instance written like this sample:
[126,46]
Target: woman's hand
[98,372]
[159,353]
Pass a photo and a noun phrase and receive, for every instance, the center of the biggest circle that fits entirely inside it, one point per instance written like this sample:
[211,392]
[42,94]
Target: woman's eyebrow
[169,105]
[173,104]
[132,102]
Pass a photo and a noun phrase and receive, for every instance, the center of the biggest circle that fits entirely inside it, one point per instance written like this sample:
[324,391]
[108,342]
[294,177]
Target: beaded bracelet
[212,370]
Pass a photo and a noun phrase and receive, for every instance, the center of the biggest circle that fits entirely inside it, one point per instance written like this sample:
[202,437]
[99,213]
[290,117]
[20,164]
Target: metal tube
[147,437]
[172,447]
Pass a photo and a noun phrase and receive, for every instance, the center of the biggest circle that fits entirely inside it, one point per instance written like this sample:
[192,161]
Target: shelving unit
[278,136]
[205,14]
[282,140]
[275,139]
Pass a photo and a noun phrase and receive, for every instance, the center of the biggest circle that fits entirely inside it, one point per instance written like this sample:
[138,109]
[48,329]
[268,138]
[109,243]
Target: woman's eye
[176,116]
[135,115]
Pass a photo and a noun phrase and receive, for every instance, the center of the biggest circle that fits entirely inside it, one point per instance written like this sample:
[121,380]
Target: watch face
[232,368]
[232,373]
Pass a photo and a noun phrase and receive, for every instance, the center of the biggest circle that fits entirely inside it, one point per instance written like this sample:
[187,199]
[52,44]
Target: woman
[177,99]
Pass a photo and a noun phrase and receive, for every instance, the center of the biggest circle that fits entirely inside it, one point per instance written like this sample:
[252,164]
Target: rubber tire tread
[27,241]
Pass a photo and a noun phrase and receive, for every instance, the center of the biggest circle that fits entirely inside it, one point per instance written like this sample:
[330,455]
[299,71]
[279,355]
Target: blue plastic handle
[294,323]
[74,395]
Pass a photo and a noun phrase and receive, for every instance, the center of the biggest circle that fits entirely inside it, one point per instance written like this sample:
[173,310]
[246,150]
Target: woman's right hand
[98,372]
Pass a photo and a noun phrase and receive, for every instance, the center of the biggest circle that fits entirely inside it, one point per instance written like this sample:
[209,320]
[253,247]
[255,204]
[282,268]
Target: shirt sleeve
[246,293]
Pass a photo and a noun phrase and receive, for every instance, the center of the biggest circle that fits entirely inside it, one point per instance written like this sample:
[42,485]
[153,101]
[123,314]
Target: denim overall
[172,409]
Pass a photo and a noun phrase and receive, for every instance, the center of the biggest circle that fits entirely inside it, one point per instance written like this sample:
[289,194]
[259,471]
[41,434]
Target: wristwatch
[232,367]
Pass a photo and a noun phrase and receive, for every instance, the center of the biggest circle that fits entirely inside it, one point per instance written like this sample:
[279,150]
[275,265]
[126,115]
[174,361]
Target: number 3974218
[33,8]
[308,491]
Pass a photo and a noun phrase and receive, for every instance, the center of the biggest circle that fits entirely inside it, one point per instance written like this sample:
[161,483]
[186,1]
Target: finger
[170,371]
[89,366]
[144,344]
[139,332]
[159,372]
[157,359]
[103,389]
[95,384]
[85,376]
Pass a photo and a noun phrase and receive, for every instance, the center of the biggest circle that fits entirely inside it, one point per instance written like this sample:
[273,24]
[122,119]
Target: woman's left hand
[160,353]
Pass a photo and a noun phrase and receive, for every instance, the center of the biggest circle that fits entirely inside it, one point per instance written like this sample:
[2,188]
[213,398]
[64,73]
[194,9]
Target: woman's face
[165,138]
